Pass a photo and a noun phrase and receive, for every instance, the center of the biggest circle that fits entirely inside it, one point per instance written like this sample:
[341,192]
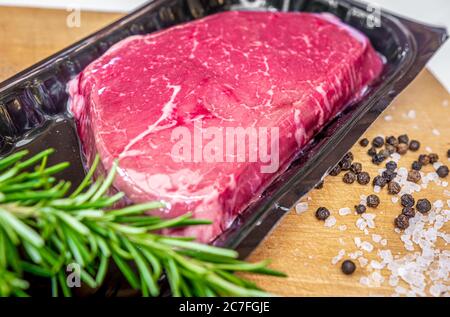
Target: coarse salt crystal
[367,246]
[393,280]
[357,241]
[361,224]
[376,238]
[400,290]
[395,157]
[338,257]
[355,255]
[436,165]
[364,281]
[394,200]
[377,278]
[369,217]
[330,222]
[402,171]
[436,132]
[376,265]
[301,207]
[363,261]
[438,204]
[345,211]
[428,149]
[388,118]
[411,114]
[376,189]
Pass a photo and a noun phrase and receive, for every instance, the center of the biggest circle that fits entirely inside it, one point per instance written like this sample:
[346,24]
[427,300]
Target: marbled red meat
[292,71]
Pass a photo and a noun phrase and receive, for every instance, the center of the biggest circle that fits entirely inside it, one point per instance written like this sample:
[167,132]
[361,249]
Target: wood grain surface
[301,246]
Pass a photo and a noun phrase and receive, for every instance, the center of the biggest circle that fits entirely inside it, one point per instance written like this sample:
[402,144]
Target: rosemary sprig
[43,229]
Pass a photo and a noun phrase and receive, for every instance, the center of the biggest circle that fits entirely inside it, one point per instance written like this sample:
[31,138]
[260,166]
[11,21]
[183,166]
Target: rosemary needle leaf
[174,277]
[200,247]
[11,159]
[126,271]
[107,183]
[35,159]
[87,179]
[42,229]
[85,277]
[102,269]
[149,283]
[36,269]
[21,229]
[32,252]
[136,209]
[72,222]
[63,284]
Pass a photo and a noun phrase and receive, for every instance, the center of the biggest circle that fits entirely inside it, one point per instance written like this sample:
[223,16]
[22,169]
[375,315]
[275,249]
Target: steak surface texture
[287,71]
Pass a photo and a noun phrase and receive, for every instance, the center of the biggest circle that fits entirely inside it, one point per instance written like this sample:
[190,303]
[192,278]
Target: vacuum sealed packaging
[270,83]
[302,79]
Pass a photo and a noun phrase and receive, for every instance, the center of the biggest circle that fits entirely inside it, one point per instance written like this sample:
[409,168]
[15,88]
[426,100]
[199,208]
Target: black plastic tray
[33,104]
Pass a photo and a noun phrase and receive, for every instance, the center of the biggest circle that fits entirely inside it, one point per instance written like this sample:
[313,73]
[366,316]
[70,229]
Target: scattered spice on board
[322,213]
[348,267]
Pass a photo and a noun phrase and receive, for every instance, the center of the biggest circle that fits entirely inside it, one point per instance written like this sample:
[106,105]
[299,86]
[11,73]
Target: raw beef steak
[290,71]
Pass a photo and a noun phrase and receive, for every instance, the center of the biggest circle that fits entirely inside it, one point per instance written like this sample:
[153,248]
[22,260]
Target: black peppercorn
[448,153]
[345,165]
[377,159]
[373,201]
[414,176]
[402,222]
[442,171]
[389,175]
[364,142]
[379,181]
[433,157]
[394,188]
[360,209]
[346,161]
[319,185]
[335,170]
[392,140]
[349,178]
[402,148]
[372,151]
[414,145]
[403,139]
[363,178]
[423,206]
[390,149]
[408,212]
[348,156]
[407,200]
[348,267]
[384,153]
[416,165]
[424,159]
[378,142]
[356,168]
[322,213]
[391,166]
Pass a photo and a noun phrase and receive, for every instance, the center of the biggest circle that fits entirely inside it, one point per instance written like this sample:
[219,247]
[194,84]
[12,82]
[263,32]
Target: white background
[431,11]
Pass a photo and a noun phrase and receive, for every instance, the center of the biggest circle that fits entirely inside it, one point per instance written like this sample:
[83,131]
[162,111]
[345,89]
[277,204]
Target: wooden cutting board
[300,246]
